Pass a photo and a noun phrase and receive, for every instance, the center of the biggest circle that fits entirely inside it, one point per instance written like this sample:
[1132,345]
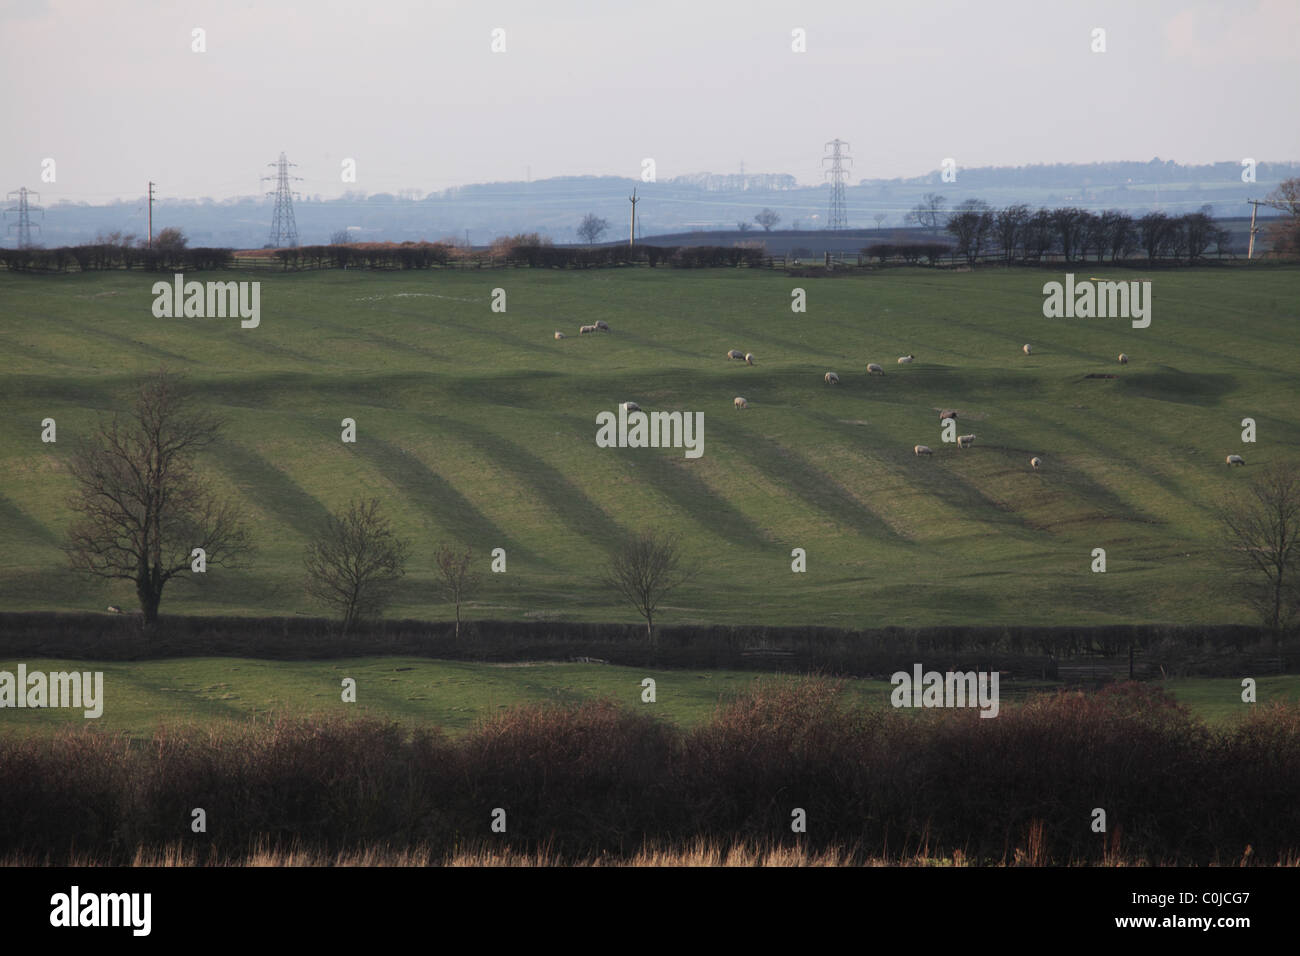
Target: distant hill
[683,204]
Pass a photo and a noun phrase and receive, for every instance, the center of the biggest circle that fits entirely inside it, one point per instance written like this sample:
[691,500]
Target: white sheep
[965,440]
[585,329]
[905,359]
[749,358]
[560,335]
[1027,350]
[631,406]
[922,450]
[602,325]
[1235,460]
[948,413]
[114,609]
[741,403]
[1123,359]
[735,354]
[1035,462]
[873,367]
[832,378]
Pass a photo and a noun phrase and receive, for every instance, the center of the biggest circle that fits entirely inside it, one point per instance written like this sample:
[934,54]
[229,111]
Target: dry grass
[698,854]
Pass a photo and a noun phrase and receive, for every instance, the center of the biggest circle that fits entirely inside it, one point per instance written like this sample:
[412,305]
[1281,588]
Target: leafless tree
[458,582]
[1009,227]
[928,213]
[880,218]
[645,569]
[767,219]
[971,224]
[142,504]
[1153,232]
[1262,526]
[592,228]
[355,561]
[1285,232]
[170,238]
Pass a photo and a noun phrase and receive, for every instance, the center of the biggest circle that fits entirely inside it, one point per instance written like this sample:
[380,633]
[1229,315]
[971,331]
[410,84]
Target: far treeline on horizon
[674,206]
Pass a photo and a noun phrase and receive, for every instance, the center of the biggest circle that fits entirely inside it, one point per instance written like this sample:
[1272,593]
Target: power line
[24,223]
[839,217]
[284,229]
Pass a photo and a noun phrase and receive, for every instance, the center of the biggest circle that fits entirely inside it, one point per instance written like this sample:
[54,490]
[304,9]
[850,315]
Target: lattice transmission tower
[839,216]
[284,229]
[24,210]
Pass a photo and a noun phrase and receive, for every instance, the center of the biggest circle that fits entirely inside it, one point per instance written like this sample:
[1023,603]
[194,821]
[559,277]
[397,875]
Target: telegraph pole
[631,235]
[151,185]
[1254,208]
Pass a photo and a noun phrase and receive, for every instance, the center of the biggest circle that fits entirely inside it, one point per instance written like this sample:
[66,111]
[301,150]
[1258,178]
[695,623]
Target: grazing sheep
[585,329]
[631,406]
[948,413]
[1035,461]
[749,358]
[1236,460]
[873,367]
[905,359]
[741,403]
[1123,359]
[832,378]
[965,440]
[560,335]
[922,450]
[602,325]
[114,609]
[1027,350]
[735,354]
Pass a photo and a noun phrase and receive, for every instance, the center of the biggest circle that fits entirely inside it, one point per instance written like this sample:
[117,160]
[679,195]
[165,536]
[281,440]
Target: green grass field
[479,427]
[142,695]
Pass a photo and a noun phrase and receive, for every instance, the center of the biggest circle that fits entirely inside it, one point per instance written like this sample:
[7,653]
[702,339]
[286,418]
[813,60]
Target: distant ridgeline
[698,201]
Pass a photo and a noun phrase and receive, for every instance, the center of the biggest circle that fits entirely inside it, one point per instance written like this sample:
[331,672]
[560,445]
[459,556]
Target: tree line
[145,513]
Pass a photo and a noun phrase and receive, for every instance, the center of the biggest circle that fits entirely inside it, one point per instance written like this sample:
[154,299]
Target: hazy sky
[410,89]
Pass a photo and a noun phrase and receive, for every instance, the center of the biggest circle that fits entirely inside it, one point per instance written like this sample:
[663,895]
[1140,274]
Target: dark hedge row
[105,255]
[1024,651]
[599,777]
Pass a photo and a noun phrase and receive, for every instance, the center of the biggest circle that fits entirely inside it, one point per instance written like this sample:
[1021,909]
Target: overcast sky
[411,89]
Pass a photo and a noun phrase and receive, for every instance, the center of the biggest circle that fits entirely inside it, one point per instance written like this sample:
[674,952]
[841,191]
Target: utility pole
[151,185]
[1254,208]
[631,235]
[24,208]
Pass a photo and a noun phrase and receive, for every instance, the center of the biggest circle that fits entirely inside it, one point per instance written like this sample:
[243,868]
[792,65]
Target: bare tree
[767,219]
[1153,231]
[142,504]
[1009,227]
[928,212]
[1285,232]
[1263,530]
[743,226]
[340,237]
[170,238]
[458,581]
[1068,222]
[355,561]
[592,228]
[645,569]
[880,218]
[971,223]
